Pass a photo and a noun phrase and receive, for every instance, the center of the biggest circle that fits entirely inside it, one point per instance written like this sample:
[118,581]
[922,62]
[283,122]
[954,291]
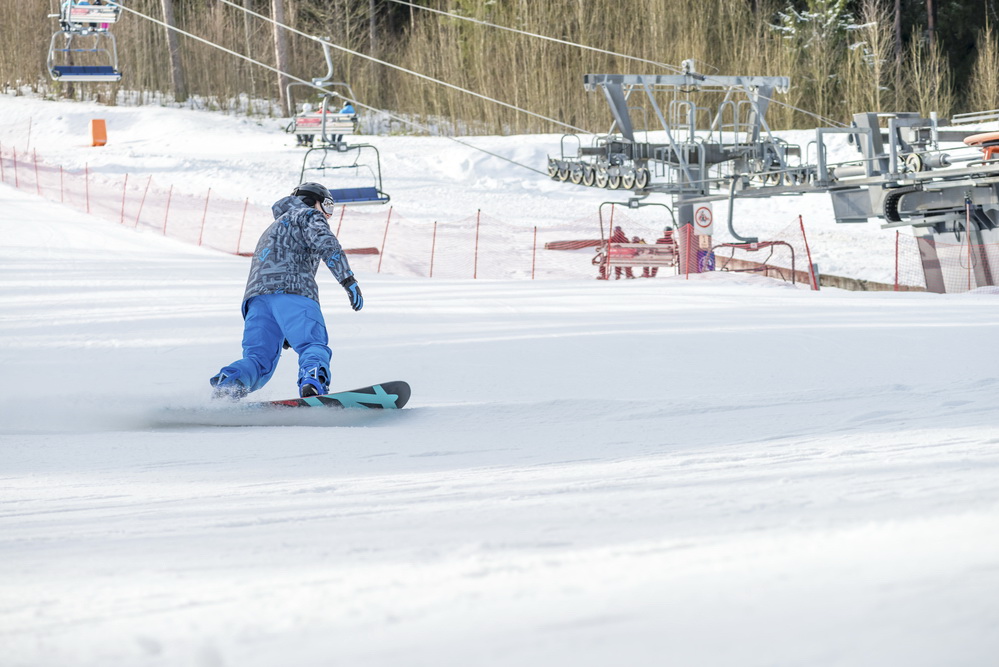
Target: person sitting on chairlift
[305,139]
[348,108]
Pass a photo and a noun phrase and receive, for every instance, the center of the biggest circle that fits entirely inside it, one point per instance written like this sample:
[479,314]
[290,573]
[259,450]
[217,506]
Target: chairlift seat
[641,254]
[367,195]
[85,73]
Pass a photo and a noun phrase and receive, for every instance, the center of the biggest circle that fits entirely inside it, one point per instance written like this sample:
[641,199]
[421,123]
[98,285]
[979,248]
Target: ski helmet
[318,192]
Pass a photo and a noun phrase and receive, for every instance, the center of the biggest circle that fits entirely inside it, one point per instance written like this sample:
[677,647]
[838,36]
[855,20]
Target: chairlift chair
[100,57]
[356,166]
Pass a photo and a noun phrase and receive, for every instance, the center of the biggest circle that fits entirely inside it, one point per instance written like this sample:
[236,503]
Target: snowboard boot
[310,388]
[313,382]
[226,387]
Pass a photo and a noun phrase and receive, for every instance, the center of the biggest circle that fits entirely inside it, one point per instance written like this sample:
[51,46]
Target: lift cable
[406,121]
[673,68]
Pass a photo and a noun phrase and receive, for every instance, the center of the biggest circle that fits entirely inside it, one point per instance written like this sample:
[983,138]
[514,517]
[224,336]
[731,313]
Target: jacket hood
[285,204]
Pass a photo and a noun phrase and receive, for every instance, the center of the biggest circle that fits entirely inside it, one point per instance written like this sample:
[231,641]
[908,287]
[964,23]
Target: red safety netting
[925,263]
[380,240]
[139,201]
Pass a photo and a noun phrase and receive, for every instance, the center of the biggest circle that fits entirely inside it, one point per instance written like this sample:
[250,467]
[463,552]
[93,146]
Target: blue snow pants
[272,319]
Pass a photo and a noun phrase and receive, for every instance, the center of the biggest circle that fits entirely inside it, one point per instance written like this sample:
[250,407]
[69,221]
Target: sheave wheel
[642,177]
[628,180]
[601,179]
[589,176]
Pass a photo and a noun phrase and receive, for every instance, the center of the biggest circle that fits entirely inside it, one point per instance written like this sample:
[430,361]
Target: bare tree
[281,56]
[176,67]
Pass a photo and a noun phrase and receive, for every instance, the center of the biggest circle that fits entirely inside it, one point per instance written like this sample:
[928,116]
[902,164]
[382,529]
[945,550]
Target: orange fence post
[967,232]
[381,253]
[610,233]
[239,239]
[343,209]
[124,189]
[166,214]
[38,184]
[142,203]
[475,263]
[433,247]
[534,252]
[204,216]
[811,267]
[897,234]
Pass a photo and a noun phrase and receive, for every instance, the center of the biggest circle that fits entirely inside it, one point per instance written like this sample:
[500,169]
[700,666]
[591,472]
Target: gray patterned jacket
[288,253]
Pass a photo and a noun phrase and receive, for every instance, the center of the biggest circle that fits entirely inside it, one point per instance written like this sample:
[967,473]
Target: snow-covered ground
[724,470]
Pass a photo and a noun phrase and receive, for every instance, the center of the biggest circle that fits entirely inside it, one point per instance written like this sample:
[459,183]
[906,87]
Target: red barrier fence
[479,246]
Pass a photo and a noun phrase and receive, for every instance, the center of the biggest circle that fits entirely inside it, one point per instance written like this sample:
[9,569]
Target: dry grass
[723,36]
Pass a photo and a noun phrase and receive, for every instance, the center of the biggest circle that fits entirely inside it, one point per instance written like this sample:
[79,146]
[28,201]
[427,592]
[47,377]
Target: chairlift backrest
[311,123]
[81,12]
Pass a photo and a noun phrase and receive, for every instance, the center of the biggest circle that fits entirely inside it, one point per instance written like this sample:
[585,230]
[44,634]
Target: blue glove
[353,293]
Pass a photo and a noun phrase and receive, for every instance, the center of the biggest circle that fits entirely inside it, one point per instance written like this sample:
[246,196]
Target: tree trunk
[898,29]
[248,5]
[281,56]
[931,21]
[372,28]
[176,68]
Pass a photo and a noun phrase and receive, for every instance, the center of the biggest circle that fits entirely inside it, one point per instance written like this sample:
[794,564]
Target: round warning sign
[703,219]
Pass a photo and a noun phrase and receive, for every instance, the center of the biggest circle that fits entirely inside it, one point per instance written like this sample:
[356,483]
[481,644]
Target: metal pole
[381,253]
[343,209]
[38,185]
[17,183]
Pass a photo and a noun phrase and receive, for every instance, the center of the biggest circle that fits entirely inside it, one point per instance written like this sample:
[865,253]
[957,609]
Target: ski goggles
[327,206]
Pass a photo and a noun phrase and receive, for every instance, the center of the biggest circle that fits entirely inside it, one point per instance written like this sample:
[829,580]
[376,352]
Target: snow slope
[716,471]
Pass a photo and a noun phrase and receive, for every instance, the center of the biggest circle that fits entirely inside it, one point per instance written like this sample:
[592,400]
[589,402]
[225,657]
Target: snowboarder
[281,302]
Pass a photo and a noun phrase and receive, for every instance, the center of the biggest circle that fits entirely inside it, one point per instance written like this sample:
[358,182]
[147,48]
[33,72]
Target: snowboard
[387,395]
